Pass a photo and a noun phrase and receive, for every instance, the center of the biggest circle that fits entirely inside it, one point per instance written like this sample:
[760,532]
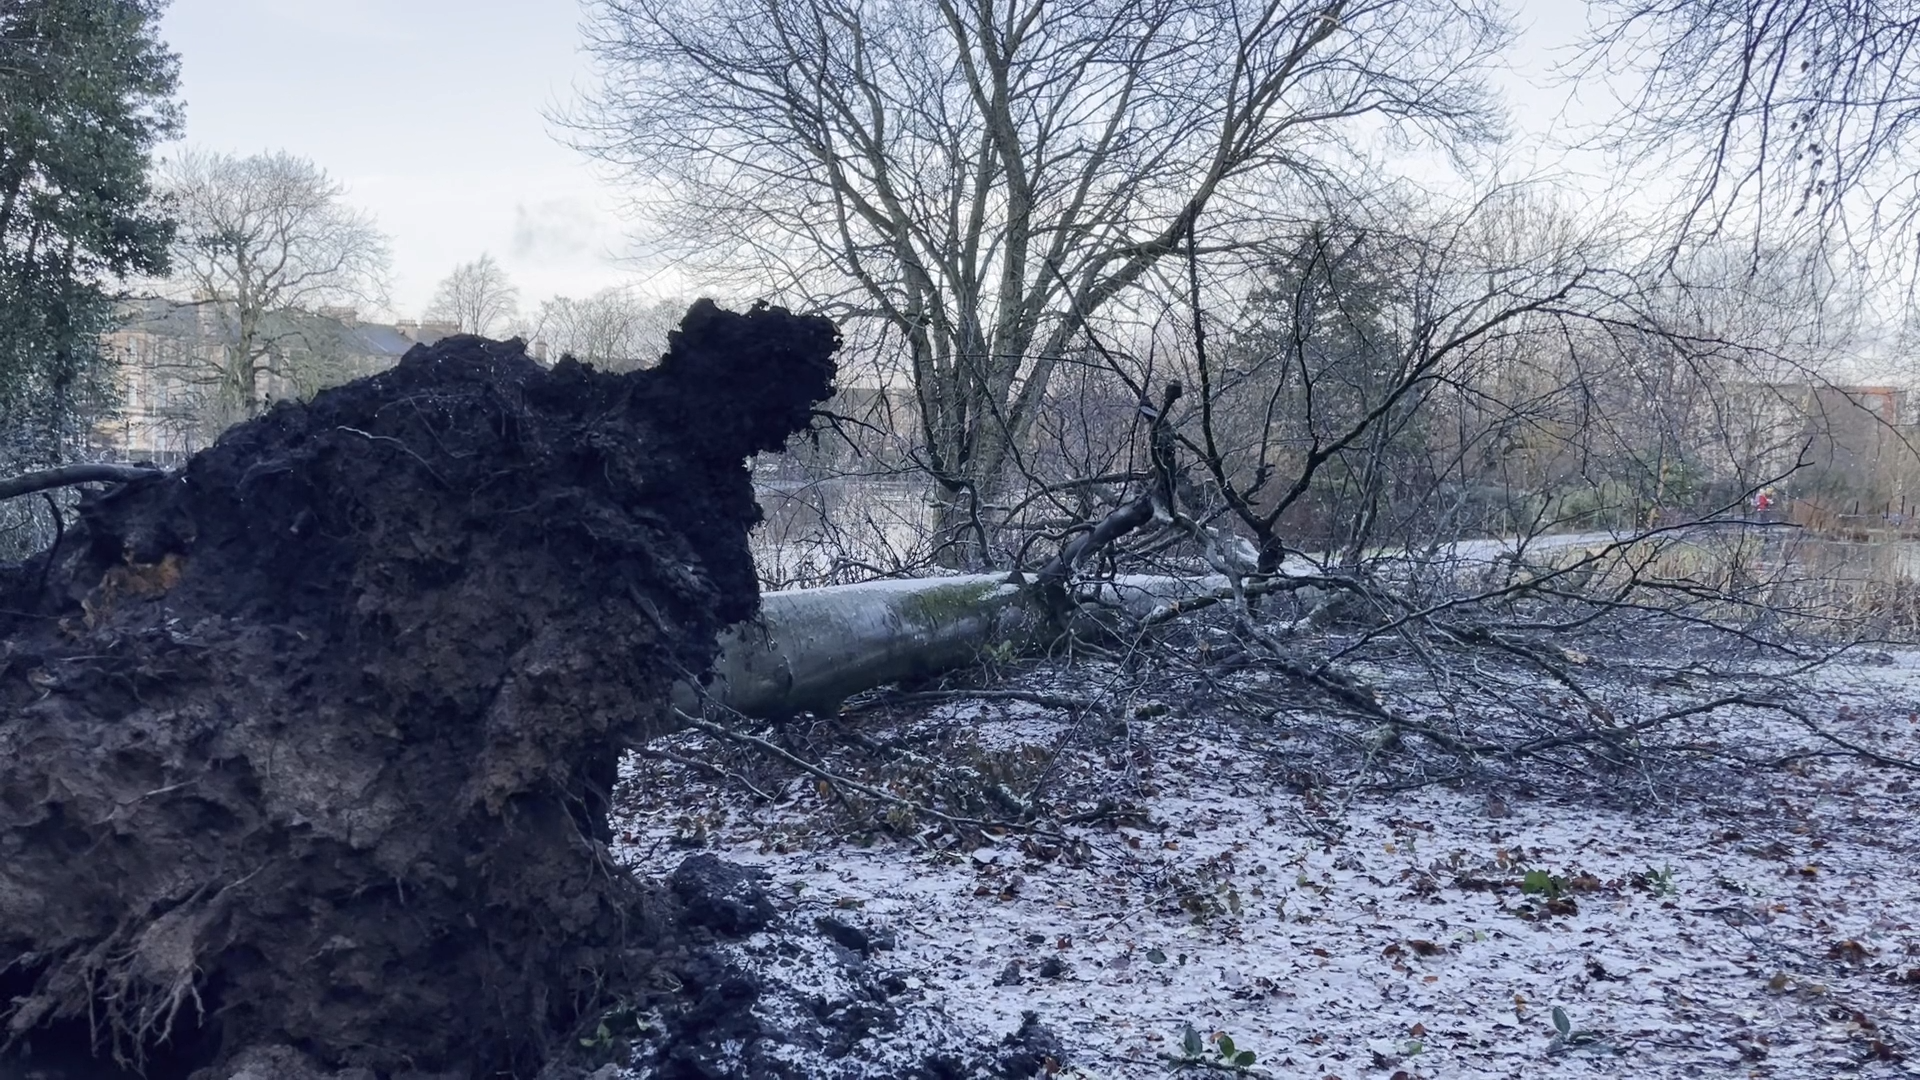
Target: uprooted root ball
[310,742]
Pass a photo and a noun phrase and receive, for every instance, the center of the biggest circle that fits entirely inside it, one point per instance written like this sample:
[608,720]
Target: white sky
[431,112]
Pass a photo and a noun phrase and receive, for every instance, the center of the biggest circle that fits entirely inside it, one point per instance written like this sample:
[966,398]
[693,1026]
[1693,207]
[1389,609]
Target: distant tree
[1387,370]
[86,92]
[476,297]
[1319,349]
[613,328]
[262,241]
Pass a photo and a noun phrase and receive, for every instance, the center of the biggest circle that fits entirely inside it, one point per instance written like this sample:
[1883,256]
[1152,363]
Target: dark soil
[306,748]
[761,993]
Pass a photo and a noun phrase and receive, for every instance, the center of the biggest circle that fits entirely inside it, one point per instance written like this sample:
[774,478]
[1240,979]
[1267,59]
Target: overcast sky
[432,113]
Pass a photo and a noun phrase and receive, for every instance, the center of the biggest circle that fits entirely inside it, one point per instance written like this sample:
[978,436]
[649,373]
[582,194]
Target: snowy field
[1766,926]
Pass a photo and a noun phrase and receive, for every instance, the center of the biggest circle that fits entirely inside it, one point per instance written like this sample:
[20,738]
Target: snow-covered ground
[1767,929]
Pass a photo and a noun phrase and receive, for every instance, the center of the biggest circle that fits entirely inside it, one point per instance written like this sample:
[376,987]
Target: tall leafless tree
[983,176]
[477,297]
[263,239]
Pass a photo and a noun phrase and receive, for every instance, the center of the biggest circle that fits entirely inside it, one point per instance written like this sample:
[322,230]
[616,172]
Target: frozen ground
[1766,927]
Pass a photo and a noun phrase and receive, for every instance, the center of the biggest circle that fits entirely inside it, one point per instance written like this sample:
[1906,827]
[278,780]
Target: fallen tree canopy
[309,743]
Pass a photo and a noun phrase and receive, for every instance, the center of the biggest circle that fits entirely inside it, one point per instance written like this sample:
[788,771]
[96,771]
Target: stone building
[173,356]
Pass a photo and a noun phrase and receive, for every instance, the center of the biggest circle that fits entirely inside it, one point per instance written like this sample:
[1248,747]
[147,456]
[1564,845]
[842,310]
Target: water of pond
[852,528]
[832,531]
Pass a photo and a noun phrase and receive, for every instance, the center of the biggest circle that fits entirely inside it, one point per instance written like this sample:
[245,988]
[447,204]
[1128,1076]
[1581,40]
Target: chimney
[346,316]
[540,351]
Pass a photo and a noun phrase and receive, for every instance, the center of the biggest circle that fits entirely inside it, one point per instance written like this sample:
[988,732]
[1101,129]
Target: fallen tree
[309,743]
[810,649]
[309,740]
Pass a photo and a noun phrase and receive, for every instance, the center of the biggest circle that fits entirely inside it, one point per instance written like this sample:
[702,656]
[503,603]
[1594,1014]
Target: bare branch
[69,475]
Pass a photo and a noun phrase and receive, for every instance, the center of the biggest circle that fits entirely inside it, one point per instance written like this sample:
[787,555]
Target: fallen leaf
[1849,952]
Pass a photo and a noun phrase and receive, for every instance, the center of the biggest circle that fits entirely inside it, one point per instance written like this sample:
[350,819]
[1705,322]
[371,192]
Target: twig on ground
[1852,748]
[723,773]
[951,774]
[869,791]
[1050,701]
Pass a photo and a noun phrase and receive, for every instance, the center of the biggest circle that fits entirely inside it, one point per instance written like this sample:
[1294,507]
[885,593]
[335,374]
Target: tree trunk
[810,649]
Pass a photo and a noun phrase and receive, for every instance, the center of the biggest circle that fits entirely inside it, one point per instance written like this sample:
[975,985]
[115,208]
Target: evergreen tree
[86,93]
[1318,352]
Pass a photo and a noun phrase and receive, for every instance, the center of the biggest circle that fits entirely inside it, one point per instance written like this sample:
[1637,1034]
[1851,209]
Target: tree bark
[810,649]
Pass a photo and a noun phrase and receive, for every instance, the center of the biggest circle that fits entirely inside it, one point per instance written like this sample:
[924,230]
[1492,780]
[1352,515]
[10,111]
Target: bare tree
[264,240]
[613,328]
[1380,367]
[476,297]
[1799,115]
[984,176]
